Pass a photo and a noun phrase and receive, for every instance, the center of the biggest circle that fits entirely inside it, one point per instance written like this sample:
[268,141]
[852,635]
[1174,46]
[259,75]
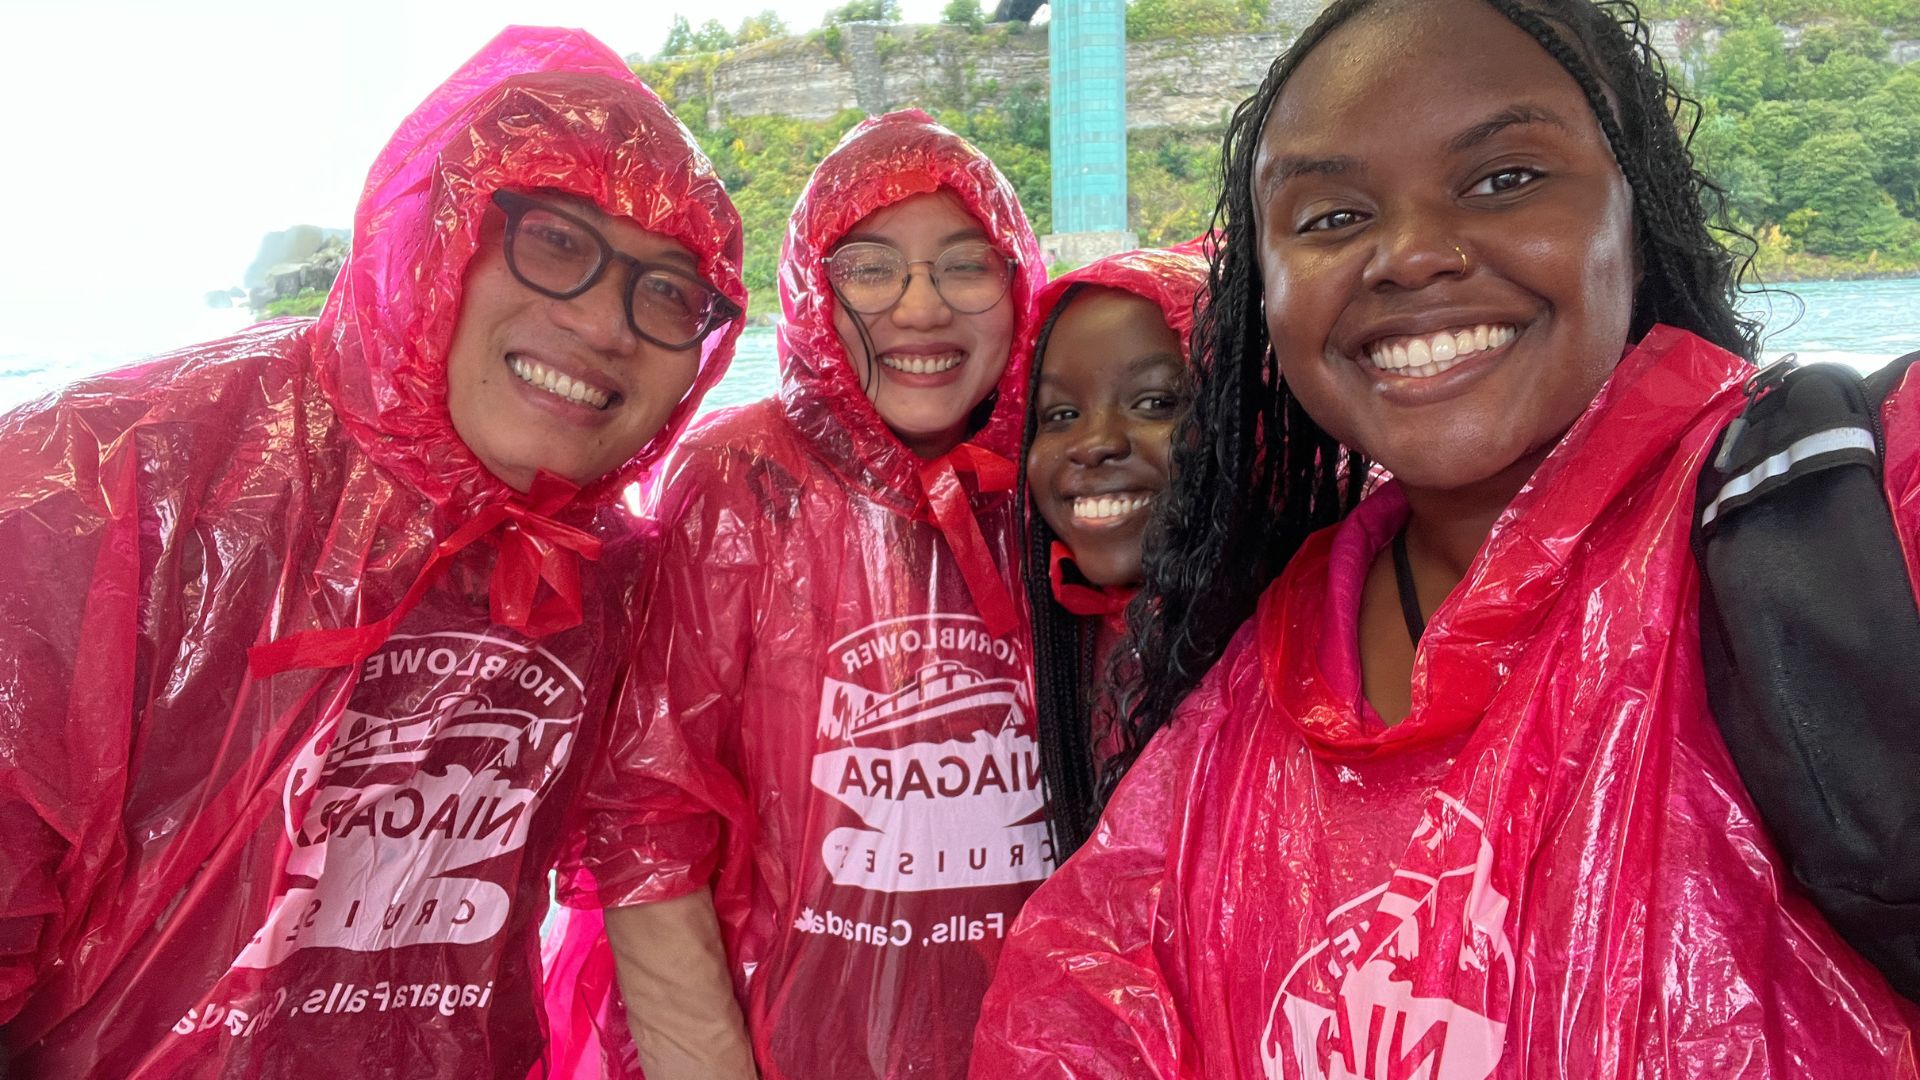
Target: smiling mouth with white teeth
[1425,355]
[1109,507]
[922,365]
[563,386]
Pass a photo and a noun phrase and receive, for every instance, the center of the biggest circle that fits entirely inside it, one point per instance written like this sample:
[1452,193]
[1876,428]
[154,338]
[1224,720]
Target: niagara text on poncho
[828,720]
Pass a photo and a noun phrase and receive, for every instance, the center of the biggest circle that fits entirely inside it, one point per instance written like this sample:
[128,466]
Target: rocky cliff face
[1170,83]
[305,257]
[876,67]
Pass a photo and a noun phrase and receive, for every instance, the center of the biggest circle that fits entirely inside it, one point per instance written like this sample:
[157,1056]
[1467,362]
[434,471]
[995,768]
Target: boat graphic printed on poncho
[367,740]
[405,814]
[951,699]
[943,777]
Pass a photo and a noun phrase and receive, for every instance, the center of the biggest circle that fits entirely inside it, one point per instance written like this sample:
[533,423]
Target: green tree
[679,38]
[1837,208]
[965,14]
[1749,67]
[1845,77]
[712,37]
[765,26]
[1845,37]
[886,11]
[1171,187]
[1890,124]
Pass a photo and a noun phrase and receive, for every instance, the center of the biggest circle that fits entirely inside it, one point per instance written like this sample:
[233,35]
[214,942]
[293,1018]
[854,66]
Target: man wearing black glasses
[306,635]
[575,387]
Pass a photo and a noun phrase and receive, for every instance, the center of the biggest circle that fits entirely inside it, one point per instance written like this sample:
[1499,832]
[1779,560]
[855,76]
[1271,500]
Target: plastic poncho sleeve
[55,790]
[662,800]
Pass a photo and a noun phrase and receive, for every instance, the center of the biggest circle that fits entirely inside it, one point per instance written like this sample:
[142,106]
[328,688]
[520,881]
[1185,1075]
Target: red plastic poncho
[338,862]
[829,718]
[1550,868]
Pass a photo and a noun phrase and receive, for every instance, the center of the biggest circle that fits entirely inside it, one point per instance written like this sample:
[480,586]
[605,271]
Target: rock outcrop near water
[293,260]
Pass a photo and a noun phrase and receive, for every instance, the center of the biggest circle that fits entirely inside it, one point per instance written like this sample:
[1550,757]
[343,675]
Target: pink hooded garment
[1173,278]
[830,720]
[1549,869]
[336,859]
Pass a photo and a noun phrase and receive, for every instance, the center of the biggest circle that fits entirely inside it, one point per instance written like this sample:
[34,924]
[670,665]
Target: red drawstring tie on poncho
[950,509]
[1088,601]
[534,548]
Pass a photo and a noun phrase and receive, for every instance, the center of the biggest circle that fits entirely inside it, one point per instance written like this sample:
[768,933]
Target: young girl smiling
[829,725]
[1451,803]
[1110,381]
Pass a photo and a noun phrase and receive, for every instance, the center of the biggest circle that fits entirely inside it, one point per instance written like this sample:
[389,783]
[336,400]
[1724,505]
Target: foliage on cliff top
[965,14]
[1817,145]
[1895,16]
[886,11]
[1194,18]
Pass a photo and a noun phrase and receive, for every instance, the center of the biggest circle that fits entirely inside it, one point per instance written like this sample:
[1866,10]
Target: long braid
[1061,645]
[1244,450]
[1254,475]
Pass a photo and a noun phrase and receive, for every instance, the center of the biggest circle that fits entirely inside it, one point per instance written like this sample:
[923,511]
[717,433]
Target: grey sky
[161,140]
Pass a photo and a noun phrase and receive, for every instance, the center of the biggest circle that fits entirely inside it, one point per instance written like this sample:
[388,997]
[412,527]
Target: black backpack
[1811,643]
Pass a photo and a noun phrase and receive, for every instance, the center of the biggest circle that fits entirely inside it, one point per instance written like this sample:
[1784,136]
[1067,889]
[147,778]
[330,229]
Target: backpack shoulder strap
[1811,647]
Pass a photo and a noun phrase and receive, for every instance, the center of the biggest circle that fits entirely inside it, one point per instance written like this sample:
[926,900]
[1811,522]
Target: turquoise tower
[1087,51]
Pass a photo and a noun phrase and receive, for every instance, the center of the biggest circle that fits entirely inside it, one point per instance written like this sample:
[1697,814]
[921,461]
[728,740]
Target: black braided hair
[1254,475]
[1062,653]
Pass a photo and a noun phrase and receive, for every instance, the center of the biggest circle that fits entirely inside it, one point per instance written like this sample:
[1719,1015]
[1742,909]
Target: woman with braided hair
[1110,381]
[1426,784]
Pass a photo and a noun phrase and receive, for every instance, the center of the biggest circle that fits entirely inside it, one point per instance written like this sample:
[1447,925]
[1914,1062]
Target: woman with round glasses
[828,736]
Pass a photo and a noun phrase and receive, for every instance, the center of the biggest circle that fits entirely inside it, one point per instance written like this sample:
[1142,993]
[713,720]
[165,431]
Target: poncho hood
[880,162]
[535,109]
[1173,278]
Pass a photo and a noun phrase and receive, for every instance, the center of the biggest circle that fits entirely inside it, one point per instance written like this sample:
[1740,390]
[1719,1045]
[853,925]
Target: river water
[1863,323]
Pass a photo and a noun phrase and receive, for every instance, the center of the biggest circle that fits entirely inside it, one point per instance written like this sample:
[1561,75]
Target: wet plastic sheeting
[1549,869]
[830,718]
[339,862]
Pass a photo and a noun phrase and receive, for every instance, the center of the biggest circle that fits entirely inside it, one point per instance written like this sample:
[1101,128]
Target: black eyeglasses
[558,254]
[870,278]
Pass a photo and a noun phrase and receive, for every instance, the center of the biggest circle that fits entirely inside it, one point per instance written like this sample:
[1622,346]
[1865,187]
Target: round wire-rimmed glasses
[559,254]
[870,278]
